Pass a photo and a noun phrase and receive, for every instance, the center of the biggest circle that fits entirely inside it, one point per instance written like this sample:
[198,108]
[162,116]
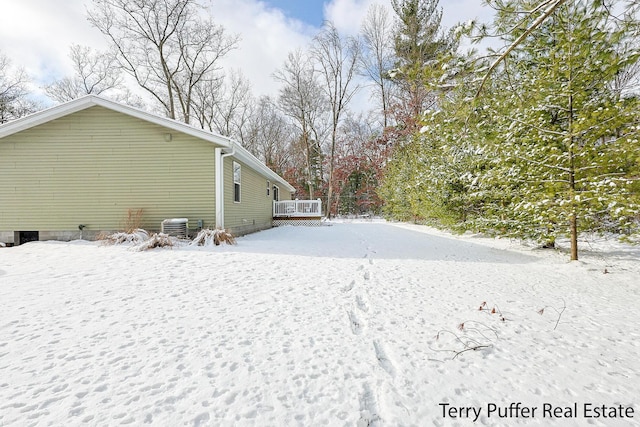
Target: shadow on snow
[372,240]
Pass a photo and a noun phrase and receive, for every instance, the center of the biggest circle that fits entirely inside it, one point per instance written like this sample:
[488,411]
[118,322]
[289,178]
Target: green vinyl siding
[92,166]
[255,208]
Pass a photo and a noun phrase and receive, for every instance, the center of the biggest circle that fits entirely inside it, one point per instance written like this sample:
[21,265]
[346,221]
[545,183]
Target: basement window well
[22,237]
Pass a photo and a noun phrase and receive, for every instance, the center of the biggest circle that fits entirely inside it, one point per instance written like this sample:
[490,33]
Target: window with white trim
[276,193]
[236,181]
[268,188]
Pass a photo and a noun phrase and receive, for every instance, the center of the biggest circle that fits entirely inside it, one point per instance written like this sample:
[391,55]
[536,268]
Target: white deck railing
[297,208]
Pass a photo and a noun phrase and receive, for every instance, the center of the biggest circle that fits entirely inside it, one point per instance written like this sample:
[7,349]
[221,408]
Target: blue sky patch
[308,11]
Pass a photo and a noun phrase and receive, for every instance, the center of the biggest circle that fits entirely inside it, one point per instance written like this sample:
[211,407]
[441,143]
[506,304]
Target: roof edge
[43,116]
[88,101]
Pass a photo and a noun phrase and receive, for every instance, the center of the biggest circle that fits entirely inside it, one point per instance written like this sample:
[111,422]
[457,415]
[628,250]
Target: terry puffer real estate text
[547,410]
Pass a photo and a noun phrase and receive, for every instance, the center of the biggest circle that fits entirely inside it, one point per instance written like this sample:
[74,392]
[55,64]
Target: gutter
[220,183]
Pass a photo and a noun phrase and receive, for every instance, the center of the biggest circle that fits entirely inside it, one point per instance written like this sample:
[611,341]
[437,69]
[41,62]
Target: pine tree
[433,178]
[565,146]
[549,149]
[419,43]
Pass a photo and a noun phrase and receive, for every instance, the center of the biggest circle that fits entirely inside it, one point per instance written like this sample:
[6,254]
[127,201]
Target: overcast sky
[36,34]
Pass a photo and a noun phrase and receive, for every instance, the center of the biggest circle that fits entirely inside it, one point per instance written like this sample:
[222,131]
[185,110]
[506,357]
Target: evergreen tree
[419,43]
[565,149]
[549,149]
[434,178]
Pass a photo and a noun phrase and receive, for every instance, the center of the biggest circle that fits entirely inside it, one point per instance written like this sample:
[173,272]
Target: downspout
[220,183]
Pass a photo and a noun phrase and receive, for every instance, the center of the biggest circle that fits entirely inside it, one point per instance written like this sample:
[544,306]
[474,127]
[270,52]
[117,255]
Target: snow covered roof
[89,101]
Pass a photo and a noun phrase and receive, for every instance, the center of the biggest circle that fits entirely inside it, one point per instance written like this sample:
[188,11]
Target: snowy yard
[353,324]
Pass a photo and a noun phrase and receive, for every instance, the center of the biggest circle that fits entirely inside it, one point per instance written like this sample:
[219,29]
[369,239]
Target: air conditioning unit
[175,227]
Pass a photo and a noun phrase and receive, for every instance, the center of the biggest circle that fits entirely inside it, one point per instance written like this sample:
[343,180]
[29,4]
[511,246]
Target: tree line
[537,138]
[547,146]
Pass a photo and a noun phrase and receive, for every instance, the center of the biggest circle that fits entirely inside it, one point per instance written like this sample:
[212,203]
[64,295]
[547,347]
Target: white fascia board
[250,160]
[44,116]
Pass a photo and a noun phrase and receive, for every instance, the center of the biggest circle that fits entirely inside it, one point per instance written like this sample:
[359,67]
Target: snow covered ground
[353,324]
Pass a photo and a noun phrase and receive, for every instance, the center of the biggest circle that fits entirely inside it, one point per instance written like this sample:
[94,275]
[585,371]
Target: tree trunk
[574,237]
[331,163]
[573,219]
[305,138]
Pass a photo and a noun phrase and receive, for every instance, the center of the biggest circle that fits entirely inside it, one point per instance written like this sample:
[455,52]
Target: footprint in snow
[349,287]
[362,303]
[357,325]
[383,360]
[201,419]
[369,411]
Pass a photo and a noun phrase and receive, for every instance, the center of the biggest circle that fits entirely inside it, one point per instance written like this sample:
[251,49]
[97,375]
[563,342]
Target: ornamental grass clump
[132,237]
[158,240]
[208,237]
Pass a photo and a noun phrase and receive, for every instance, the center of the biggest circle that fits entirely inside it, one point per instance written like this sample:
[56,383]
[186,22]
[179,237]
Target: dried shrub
[495,310]
[473,336]
[208,237]
[132,232]
[558,310]
[158,240]
[133,221]
[135,236]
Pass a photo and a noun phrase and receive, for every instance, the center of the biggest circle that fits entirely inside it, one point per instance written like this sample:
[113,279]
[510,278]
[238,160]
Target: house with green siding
[82,167]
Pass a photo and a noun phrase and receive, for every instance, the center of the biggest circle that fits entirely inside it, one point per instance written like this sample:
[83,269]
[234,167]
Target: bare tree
[14,95]
[202,45]
[165,45]
[95,73]
[269,135]
[360,160]
[234,106]
[302,100]
[223,105]
[378,54]
[337,61]
[207,96]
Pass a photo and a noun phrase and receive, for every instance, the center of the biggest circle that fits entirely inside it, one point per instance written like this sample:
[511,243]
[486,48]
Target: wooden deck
[297,212]
[303,209]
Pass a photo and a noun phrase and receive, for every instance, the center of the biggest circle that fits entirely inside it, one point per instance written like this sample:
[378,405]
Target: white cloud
[267,36]
[347,15]
[456,11]
[36,34]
